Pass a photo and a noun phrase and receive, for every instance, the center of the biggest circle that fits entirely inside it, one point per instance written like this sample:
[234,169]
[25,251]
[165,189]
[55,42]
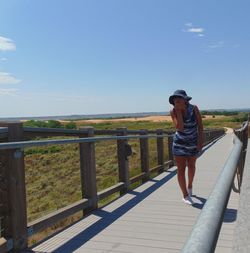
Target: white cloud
[7,78]
[8,92]
[3,59]
[7,44]
[217,45]
[236,46]
[195,30]
[199,31]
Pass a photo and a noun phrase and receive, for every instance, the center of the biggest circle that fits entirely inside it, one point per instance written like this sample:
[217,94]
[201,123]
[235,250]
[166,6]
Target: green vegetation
[50,124]
[225,121]
[223,113]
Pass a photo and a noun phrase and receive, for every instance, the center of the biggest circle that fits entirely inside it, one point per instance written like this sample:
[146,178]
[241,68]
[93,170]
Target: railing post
[4,210]
[88,170]
[144,156]
[170,144]
[160,149]
[17,220]
[123,163]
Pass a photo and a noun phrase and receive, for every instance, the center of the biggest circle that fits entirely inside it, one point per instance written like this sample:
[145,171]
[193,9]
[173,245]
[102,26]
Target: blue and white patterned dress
[185,142]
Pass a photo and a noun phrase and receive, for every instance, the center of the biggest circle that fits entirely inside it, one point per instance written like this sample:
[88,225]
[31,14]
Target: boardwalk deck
[151,218]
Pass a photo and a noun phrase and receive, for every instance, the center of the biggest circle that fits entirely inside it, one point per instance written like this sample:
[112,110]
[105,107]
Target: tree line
[50,124]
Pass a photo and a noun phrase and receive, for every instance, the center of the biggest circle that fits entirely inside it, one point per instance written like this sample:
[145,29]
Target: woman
[188,139]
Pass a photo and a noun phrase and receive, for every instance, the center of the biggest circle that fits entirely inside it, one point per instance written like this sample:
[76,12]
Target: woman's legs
[191,170]
[181,166]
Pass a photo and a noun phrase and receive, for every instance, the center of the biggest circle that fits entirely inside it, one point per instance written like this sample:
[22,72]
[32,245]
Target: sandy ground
[229,130]
[148,118]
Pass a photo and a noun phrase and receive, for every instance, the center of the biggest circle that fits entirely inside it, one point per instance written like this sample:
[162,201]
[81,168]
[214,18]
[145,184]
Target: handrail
[205,232]
[204,235]
[30,132]
[25,144]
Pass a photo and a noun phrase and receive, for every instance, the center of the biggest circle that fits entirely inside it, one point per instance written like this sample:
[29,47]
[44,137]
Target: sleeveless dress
[185,142]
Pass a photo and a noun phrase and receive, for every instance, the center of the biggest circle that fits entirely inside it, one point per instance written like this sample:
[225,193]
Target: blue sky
[113,56]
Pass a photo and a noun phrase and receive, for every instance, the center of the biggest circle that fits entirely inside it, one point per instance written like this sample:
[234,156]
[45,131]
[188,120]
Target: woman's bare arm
[177,119]
[200,127]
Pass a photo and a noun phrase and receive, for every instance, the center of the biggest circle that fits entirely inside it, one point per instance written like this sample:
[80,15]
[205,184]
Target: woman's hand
[179,104]
[179,107]
[199,147]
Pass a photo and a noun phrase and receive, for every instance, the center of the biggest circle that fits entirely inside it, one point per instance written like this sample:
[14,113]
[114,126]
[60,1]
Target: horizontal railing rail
[26,144]
[204,235]
[30,132]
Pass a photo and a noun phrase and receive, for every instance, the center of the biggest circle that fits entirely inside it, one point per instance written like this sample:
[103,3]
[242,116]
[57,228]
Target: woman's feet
[190,192]
[188,200]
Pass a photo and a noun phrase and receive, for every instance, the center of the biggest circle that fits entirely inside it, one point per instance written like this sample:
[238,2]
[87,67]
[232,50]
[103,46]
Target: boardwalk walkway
[151,218]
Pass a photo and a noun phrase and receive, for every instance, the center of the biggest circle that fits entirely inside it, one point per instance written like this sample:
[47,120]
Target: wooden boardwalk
[151,218]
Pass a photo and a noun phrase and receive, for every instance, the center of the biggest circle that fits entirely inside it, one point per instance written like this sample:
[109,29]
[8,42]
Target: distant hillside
[111,115]
[89,116]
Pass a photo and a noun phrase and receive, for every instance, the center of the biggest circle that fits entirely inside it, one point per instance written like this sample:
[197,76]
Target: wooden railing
[12,171]
[242,134]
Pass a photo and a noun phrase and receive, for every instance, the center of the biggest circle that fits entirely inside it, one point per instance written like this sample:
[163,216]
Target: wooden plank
[160,149]
[137,177]
[5,228]
[170,144]
[158,168]
[113,189]
[144,152]
[88,170]
[169,163]
[52,218]
[123,163]
[17,190]
[30,132]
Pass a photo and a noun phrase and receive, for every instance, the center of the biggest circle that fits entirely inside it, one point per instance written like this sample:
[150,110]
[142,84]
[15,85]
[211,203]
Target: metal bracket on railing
[10,244]
[234,188]
[18,154]
[30,231]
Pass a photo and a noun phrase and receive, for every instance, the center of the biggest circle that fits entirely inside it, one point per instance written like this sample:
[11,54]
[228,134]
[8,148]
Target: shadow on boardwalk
[230,214]
[107,218]
[204,149]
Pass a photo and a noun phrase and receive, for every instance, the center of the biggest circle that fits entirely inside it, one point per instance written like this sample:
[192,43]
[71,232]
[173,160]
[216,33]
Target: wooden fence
[242,134]
[14,136]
